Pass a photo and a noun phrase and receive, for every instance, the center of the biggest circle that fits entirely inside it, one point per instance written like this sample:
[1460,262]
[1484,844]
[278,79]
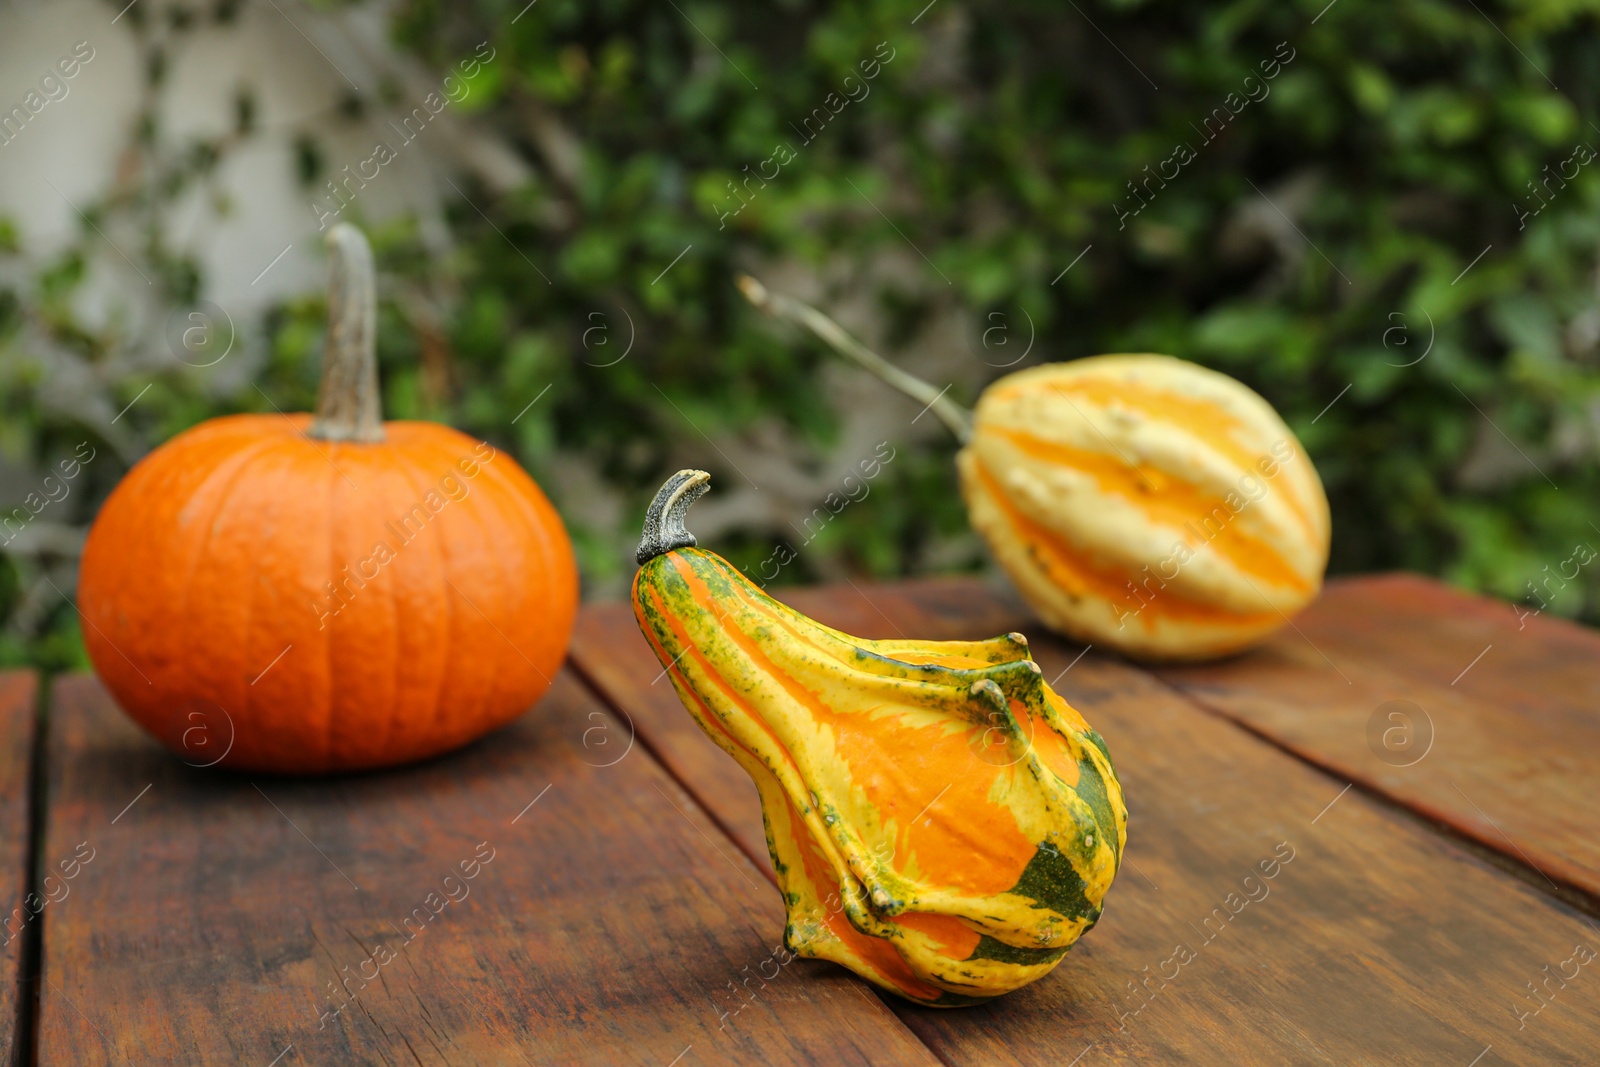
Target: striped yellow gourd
[1146,503]
[941,822]
[1139,502]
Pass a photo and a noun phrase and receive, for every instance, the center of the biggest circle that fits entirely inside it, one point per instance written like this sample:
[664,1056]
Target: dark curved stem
[957,418]
[348,405]
[663,523]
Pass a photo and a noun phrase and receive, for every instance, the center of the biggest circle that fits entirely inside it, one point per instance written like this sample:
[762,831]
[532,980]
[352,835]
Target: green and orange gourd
[941,822]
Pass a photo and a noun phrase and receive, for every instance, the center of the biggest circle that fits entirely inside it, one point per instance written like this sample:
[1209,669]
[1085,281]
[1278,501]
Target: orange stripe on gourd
[951,936]
[1068,569]
[1078,577]
[1164,498]
[709,721]
[1058,754]
[1207,418]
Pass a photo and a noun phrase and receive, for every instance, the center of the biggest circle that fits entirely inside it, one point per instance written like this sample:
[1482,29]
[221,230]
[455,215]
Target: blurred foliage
[1317,248]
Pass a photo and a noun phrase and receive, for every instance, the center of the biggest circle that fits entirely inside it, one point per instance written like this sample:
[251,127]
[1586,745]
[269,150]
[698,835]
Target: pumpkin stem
[957,418]
[348,405]
[663,523]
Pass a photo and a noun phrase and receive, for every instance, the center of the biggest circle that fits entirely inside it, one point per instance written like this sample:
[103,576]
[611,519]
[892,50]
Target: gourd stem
[348,405]
[957,418]
[663,523]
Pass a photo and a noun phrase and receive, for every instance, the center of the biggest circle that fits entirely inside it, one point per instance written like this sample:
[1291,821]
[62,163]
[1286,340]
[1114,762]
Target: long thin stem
[348,404]
[779,306]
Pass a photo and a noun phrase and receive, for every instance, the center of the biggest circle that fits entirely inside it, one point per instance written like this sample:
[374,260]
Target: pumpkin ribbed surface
[1146,503]
[940,821]
[206,597]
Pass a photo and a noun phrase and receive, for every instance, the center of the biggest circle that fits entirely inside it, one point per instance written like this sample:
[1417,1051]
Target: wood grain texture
[609,651]
[18,698]
[606,921]
[1378,942]
[1495,732]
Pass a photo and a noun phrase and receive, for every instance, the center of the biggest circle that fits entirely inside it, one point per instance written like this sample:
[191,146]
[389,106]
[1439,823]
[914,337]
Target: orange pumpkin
[303,595]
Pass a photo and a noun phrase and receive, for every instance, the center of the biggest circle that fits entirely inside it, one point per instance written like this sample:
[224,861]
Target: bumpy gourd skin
[941,822]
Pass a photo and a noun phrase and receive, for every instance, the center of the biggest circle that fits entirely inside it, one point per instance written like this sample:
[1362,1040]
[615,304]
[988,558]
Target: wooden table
[591,884]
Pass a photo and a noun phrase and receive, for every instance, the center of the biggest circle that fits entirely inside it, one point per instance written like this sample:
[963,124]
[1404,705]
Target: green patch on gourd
[1099,742]
[990,949]
[1092,788]
[1051,881]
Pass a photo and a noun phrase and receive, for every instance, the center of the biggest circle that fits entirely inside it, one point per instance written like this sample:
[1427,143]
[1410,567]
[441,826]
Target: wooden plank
[1447,703]
[18,700]
[608,651]
[225,919]
[1377,942]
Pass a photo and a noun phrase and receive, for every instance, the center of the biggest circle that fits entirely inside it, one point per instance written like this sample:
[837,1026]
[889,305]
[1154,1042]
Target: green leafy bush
[1346,234]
